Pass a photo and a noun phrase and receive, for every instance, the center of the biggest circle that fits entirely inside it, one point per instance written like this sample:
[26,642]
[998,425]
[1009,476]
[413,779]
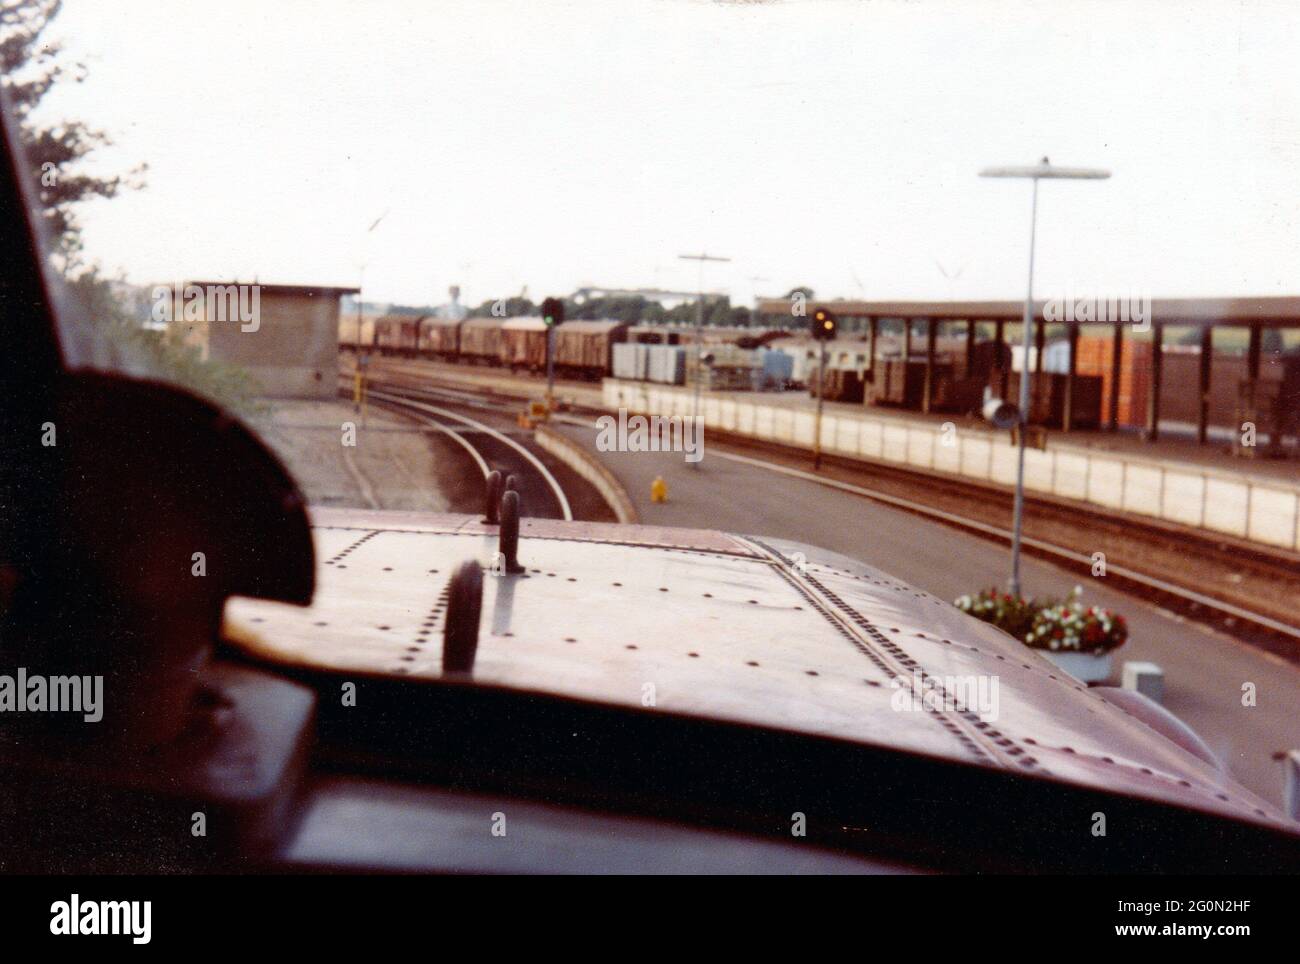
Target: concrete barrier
[590,468]
[1256,509]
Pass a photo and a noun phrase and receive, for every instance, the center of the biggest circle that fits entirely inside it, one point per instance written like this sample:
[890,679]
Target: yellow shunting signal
[824,325]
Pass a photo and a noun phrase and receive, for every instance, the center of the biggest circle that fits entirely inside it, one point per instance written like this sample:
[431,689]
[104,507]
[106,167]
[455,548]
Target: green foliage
[629,308]
[29,68]
[633,309]
[105,315]
[111,314]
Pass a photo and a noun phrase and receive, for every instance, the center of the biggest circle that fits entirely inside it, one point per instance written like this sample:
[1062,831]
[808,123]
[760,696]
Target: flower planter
[1085,667]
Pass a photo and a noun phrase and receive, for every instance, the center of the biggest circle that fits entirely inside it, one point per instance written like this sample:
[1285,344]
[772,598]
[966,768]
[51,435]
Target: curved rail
[406,400]
[454,435]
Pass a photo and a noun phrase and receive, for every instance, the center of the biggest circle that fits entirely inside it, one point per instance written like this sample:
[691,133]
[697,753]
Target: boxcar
[440,337]
[585,348]
[356,334]
[480,340]
[523,344]
[397,335]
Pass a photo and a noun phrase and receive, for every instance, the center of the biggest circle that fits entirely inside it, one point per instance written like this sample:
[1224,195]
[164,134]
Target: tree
[29,68]
[110,312]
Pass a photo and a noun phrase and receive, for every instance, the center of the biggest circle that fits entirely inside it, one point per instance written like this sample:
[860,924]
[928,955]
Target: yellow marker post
[659,490]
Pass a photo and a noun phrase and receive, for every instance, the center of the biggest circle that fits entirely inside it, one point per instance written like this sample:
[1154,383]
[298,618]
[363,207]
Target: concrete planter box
[1085,667]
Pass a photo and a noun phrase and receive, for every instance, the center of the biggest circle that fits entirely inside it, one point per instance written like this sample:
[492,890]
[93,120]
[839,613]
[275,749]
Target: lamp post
[361,280]
[699,333]
[1041,171]
[363,356]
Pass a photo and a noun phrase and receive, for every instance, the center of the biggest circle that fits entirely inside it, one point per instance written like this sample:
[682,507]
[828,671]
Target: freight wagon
[356,334]
[398,335]
[440,338]
[480,340]
[585,348]
[523,344]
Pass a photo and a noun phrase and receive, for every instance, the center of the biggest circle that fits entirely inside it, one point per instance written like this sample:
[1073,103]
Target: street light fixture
[1040,171]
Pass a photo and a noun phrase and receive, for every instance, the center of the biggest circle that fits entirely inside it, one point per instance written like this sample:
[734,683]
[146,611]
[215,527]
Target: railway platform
[1205,487]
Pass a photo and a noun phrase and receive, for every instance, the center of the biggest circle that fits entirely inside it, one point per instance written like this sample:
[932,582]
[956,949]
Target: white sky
[831,143]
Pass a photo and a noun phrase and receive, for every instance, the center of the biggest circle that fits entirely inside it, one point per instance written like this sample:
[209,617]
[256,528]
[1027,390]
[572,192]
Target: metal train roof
[433,321]
[524,323]
[483,321]
[703,623]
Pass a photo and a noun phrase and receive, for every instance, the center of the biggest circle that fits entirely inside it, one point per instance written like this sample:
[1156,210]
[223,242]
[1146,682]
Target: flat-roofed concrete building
[285,336]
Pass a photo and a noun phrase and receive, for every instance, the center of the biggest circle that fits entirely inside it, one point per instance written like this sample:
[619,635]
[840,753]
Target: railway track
[540,491]
[1241,589]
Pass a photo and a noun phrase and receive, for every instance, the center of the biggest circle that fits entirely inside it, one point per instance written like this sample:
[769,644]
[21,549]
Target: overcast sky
[555,144]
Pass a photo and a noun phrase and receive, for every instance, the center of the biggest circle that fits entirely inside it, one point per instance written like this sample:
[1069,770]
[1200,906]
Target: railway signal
[552,315]
[824,325]
[552,312]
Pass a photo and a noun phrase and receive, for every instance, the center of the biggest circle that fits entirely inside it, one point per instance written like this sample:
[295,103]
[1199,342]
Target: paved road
[1204,670]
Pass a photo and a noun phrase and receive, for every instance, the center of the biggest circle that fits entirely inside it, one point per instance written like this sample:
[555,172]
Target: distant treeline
[623,308]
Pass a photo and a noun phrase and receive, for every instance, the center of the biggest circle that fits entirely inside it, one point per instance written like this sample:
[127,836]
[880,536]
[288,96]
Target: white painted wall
[1263,511]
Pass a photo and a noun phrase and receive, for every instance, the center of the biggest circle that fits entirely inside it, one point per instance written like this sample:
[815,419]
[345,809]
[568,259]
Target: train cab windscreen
[650,438]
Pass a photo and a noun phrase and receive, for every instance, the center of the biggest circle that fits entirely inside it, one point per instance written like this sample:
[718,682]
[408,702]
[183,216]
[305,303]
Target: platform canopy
[1273,312]
[1118,310]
